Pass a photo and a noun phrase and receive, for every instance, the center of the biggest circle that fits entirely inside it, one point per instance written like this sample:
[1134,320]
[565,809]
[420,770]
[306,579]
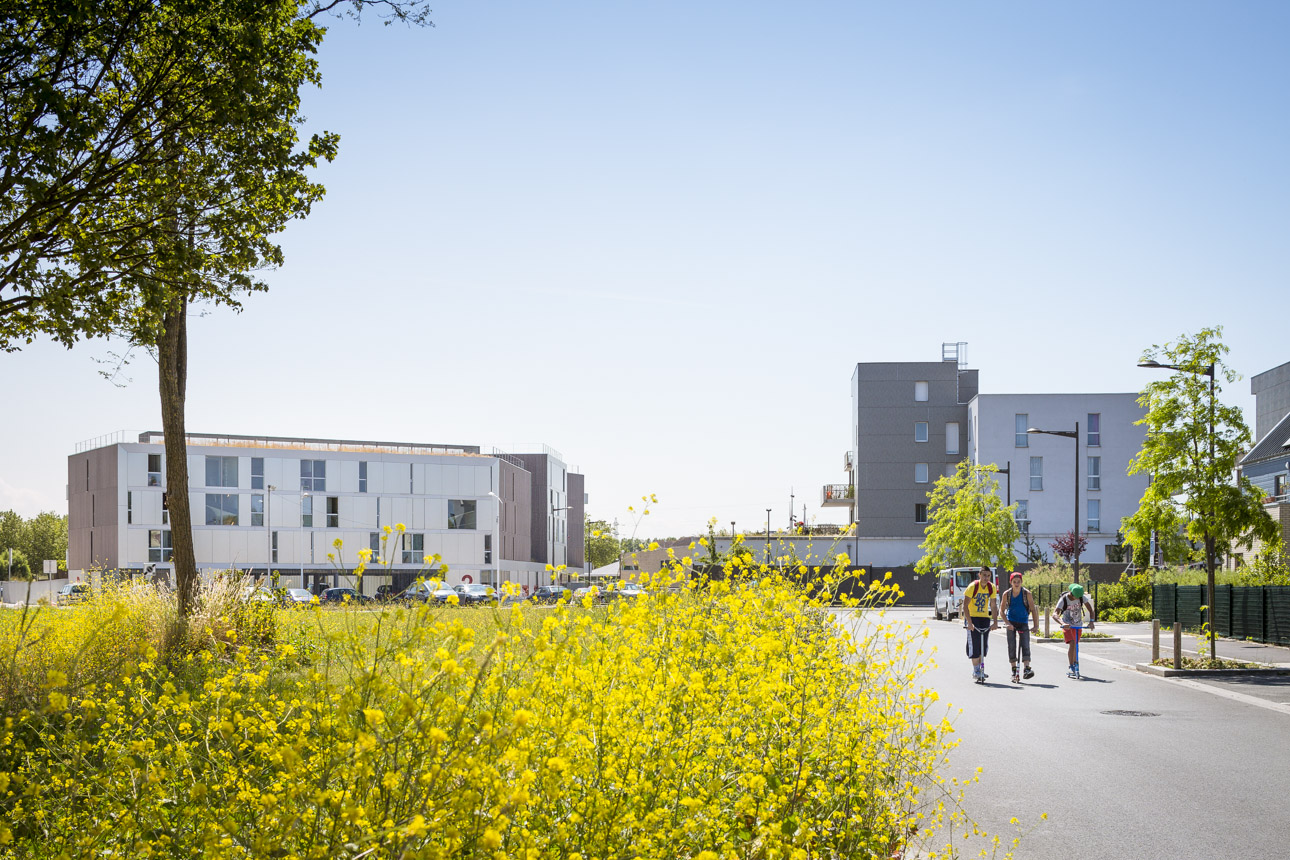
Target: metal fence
[1260,613]
[1047,594]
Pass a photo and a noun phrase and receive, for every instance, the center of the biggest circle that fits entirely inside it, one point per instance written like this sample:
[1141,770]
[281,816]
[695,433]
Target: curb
[1164,672]
[1082,640]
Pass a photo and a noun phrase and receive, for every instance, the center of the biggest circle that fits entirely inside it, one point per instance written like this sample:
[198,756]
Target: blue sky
[658,236]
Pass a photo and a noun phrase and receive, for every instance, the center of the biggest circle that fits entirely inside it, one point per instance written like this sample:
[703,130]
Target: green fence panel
[1189,601]
[1277,614]
[1162,603]
[1223,610]
[1247,613]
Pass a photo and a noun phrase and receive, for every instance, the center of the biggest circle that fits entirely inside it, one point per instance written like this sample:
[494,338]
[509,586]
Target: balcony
[846,462]
[837,496]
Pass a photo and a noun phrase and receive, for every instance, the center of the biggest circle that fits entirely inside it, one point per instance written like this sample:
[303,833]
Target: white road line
[1221,692]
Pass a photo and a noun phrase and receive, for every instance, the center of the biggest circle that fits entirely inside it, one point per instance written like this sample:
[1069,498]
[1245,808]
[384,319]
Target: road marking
[1222,693]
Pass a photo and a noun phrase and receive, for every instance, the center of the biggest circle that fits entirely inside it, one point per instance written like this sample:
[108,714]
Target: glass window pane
[1036,473]
[1022,439]
[920,391]
[920,431]
[920,473]
[951,437]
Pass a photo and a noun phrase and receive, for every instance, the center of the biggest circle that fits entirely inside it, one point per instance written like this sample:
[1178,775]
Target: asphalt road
[1206,777]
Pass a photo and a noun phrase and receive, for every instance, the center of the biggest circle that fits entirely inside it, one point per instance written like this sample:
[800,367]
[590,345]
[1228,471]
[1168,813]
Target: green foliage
[44,536]
[603,545]
[1163,516]
[1192,445]
[1132,590]
[1125,614]
[967,523]
[15,567]
[1271,567]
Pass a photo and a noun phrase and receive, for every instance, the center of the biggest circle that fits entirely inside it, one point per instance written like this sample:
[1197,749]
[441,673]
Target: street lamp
[1069,435]
[768,535]
[303,496]
[498,549]
[1209,541]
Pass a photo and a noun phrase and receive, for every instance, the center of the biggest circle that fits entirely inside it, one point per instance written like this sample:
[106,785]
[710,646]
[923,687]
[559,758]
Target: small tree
[1065,545]
[1192,445]
[603,545]
[967,523]
[1164,519]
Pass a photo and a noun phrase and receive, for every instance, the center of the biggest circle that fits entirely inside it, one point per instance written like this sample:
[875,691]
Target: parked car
[593,590]
[343,595]
[258,594]
[424,592]
[474,594]
[950,584]
[550,594]
[386,592]
[72,592]
[297,597]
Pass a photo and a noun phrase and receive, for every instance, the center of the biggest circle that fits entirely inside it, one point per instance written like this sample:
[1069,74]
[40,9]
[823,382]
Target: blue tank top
[1018,613]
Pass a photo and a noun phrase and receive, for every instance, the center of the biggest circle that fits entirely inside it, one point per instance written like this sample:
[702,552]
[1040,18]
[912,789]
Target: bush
[731,717]
[1126,613]
[1132,590]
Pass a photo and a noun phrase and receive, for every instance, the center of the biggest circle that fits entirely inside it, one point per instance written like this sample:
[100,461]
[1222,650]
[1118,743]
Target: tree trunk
[172,374]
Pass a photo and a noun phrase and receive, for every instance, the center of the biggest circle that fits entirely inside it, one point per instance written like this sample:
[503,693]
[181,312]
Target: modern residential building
[913,422]
[1267,464]
[1041,469]
[274,504]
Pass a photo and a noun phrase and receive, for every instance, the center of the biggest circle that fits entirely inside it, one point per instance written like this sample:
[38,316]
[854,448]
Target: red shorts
[1070,634]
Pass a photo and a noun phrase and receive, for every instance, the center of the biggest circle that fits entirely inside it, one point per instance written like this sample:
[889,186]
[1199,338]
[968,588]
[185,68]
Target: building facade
[913,422]
[272,504]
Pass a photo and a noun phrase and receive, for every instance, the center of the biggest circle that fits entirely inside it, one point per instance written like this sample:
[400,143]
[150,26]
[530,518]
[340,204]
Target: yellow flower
[491,838]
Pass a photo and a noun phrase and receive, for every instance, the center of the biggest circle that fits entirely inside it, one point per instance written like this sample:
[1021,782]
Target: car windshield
[963,578]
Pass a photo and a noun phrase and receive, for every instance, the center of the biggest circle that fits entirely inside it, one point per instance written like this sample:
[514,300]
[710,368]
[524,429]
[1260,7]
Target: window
[307,512]
[221,509]
[165,508]
[257,510]
[488,549]
[129,508]
[920,391]
[257,473]
[1095,473]
[950,469]
[313,476]
[275,548]
[1023,511]
[1094,429]
[221,471]
[920,513]
[411,466]
[1095,515]
[1036,473]
[1022,439]
[378,512]
[333,512]
[374,544]
[920,431]
[362,476]
[1279,485]
[920,473]
[461,514]
[159,545]
[414,548]
[951,437]
[154,470]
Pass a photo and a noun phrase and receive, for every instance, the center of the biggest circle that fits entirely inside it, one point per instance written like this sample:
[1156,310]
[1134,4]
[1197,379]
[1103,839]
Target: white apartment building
[1042,468]
[273,504]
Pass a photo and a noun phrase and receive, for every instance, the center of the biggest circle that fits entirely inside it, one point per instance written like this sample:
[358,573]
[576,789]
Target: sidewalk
[1135,646]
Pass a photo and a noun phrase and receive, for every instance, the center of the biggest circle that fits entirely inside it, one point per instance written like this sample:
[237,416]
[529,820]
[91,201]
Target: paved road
[1207,778]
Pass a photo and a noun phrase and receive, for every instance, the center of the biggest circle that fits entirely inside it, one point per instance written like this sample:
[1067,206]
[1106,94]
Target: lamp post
[268,531]
[768,535]
[1007,470]
[1069,435]
[1209,540]
[303,496]
[498,548]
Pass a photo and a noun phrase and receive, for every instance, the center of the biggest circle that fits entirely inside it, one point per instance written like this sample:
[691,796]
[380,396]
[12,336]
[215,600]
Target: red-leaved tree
[1064,546]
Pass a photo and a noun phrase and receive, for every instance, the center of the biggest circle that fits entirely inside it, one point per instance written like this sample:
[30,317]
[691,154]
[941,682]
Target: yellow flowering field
[724,718]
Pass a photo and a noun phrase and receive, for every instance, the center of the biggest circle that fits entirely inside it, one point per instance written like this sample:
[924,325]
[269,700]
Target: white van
[949,590]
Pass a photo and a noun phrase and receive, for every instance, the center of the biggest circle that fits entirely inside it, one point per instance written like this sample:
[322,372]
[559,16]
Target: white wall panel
[452,481]
[434,479]
[136,470]
[396,477]
[436,513]
[363,511]
[348,475]
[418,514]
[244,473]
[434,544]
[375,477]
[418,478]
[196,470]
[202,545]
[483,480]
[402,511]
[136,553]
[274,475]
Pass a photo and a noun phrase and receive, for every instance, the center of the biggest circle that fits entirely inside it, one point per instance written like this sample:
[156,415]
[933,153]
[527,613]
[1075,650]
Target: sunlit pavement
[1126,765]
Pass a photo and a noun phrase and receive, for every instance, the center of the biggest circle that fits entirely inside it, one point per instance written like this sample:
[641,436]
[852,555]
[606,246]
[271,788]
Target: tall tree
[150,152]
[1162,519]
[967,523]
[1191,449]
[603,546]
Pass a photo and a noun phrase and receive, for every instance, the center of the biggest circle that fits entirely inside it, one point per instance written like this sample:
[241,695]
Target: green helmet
[1077,590]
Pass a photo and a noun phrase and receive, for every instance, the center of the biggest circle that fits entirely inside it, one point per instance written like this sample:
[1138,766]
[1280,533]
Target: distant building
[274,504]
[1267,464]
[913,422]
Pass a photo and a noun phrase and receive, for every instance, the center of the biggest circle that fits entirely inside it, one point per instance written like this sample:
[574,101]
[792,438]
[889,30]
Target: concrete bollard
[1177,645]
[1047,620]
[1155,639]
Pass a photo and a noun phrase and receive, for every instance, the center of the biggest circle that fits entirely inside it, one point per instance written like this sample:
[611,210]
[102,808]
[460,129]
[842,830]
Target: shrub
[1132,590]
[1126,613]
[731,717]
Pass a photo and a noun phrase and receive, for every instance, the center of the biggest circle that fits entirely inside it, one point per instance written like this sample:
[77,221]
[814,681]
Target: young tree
[47,539]
[1191,449]
[967,523]
[1162,518]
[1066,547]
[151,154]
[603,545]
